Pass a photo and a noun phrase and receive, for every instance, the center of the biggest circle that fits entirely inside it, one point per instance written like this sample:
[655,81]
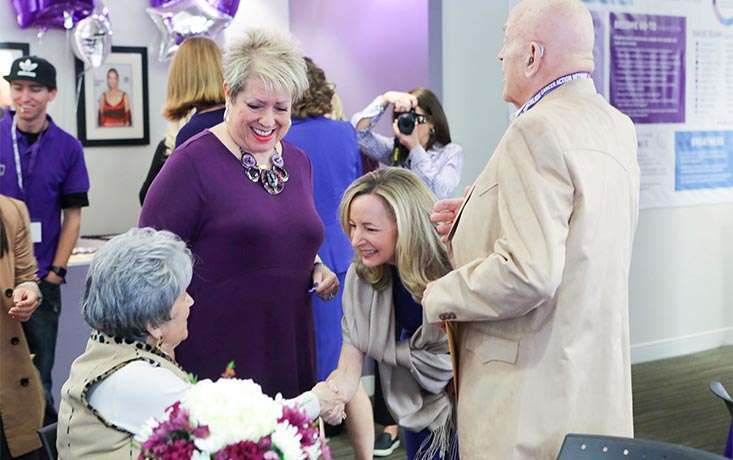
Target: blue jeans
[41,331]
[413,441]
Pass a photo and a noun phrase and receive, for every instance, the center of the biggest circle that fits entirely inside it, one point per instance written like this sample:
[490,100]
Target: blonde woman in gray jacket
[386,213]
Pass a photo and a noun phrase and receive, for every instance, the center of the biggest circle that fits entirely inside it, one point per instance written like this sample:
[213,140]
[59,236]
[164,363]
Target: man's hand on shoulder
[444,213]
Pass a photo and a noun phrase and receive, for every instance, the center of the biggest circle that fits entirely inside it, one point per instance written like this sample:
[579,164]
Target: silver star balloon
[178,20]
[91,40]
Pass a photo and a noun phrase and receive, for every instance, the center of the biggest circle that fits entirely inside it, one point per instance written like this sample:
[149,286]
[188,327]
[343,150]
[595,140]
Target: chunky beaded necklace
[273,179]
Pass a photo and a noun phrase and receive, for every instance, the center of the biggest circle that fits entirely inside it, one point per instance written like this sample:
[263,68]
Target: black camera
[406,122]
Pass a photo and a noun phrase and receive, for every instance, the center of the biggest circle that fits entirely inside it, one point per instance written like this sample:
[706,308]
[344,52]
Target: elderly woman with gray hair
[137,306]
[242,199]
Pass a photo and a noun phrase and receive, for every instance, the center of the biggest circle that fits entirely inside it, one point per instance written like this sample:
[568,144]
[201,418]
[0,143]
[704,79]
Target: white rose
[234,410]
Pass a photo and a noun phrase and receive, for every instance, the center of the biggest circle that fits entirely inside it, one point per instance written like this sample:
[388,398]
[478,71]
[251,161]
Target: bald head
[553,37]
[564,27]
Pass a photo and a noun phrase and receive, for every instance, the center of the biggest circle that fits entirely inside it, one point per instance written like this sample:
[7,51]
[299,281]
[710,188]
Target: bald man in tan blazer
[541,249]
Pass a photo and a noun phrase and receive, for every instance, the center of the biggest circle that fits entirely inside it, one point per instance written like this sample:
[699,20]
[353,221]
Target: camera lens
[406,122]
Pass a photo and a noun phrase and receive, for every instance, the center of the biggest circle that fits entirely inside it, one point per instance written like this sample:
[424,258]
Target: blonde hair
[337,107]
[273,57]
[195,78]
[419,254]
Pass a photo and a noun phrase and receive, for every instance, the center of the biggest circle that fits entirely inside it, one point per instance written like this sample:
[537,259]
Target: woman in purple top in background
[242,199]
[195,84]
[199,122]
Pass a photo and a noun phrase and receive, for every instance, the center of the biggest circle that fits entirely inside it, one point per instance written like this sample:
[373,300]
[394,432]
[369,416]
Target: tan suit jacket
[539,294]
[21,393]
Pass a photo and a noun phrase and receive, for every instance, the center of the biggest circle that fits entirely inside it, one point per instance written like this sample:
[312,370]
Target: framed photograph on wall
[9,51]
[113,101]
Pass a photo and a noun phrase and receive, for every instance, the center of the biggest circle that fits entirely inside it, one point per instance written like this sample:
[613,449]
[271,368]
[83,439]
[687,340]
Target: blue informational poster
[703,160]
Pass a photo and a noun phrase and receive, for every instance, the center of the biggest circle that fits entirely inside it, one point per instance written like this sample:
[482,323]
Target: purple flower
[173,439]
[245,450]
[307,429]
[326,451]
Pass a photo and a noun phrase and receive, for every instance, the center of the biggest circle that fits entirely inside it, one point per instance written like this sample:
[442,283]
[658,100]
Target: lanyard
[16,154]
[548,89]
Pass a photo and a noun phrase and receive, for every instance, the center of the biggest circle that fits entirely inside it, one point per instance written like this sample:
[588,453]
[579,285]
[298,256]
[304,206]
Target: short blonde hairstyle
[420,256]
[273,57]
[195,79]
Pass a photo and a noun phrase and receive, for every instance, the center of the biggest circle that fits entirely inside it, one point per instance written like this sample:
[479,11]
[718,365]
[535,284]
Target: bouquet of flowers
[231,419]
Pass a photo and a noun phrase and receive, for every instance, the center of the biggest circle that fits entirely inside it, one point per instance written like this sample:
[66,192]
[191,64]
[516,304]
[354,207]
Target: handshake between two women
[335,393]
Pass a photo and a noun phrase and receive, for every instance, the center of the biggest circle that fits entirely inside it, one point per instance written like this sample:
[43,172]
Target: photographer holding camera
[422,141]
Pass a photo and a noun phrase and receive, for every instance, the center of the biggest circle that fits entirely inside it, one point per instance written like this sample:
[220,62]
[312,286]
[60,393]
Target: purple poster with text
[647,78]
[598,46]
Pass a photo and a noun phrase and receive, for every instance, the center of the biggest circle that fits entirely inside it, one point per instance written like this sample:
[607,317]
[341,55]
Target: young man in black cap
[43,166]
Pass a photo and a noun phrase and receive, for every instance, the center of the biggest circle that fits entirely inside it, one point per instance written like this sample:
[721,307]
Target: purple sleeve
[175,199]
[356,153]
[77,178]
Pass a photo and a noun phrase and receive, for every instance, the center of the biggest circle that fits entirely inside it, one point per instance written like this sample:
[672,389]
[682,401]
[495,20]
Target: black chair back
[48,439]
[719,390]
[592,447]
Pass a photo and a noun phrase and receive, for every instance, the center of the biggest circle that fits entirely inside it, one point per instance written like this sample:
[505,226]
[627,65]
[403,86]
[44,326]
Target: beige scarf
[413,373]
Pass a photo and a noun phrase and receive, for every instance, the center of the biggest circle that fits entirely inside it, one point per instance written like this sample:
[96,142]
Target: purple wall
[365,47]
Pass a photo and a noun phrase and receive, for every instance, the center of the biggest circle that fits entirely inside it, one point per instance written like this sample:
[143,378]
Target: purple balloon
[229,7]
[159,3]
[59,14]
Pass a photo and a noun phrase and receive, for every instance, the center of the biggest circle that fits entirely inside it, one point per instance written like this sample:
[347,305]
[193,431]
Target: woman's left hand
[410,141]
[325,281]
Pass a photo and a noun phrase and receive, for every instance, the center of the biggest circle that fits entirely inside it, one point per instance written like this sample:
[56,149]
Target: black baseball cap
[33,68]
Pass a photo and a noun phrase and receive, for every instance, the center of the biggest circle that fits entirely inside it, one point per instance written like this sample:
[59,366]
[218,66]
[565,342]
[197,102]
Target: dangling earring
[432,131]
[226,111]
[159,343]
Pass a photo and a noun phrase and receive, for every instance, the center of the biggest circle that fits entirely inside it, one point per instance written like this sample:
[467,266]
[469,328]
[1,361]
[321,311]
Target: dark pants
[410,440]
[41,331]
[381,413]
[413,441]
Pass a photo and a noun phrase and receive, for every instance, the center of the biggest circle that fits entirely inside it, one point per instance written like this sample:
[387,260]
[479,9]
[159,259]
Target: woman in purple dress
[242,199]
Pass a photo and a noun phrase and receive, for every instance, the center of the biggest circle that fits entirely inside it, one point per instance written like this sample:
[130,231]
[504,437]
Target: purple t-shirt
[54,177]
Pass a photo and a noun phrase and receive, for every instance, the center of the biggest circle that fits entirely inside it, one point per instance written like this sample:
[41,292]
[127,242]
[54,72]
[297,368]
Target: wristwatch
[60,271]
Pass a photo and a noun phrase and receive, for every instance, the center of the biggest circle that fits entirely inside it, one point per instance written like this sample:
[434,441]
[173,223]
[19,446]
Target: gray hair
[134,280]
[273,57]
